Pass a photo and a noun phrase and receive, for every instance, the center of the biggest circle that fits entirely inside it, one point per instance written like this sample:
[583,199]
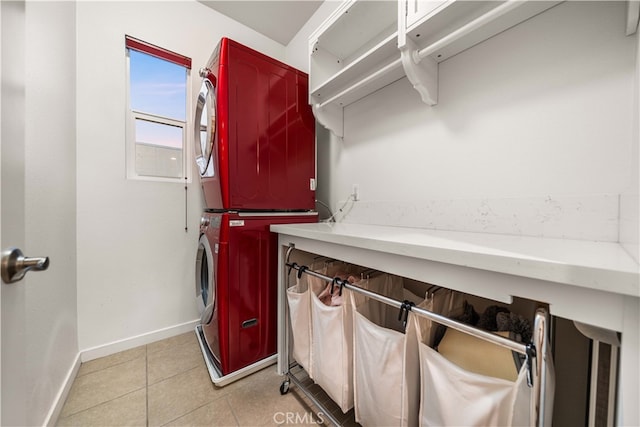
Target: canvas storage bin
[386,366]
[299,301]
[452,395]
[332,343]
[332,349]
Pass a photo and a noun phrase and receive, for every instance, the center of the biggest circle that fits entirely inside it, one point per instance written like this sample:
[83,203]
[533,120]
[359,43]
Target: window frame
[133,115]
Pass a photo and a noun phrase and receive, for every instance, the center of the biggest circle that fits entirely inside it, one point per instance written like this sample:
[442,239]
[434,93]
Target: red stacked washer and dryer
[255,150]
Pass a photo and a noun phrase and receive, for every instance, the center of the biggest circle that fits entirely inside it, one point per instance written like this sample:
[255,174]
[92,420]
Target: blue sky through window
[157,86]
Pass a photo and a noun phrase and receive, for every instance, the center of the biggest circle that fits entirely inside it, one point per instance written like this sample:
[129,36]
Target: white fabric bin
[452,395]
[299,301]
[386,366]
[332,343]
[332,349]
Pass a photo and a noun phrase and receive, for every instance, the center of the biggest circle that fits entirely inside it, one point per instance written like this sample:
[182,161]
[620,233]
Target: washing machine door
[205,129]
[205,280]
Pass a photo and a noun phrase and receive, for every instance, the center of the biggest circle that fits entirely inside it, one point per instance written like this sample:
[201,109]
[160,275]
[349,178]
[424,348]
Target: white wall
[541,112]
[50,202]
[136,263]
[297,55]
[630,199]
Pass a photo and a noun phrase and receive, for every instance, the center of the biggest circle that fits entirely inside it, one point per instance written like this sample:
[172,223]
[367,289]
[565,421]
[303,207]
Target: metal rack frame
[534,351]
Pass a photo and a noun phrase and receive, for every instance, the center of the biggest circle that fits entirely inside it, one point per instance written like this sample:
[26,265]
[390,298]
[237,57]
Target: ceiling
[278,20]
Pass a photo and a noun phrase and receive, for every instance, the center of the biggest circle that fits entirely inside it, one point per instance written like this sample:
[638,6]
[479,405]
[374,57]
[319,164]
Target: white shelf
[353,53]
[353,25]
[452,16]
[368,44]
[381,77]
[452,27]
[375,58]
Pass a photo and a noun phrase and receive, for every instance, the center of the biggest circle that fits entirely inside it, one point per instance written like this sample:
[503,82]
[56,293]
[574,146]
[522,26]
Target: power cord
[321,203]
[344,205]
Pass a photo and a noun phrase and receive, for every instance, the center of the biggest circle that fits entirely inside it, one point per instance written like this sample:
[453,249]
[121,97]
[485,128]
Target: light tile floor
[166,383]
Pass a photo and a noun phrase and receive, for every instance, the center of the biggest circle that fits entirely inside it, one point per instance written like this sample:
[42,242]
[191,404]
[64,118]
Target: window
[157,110]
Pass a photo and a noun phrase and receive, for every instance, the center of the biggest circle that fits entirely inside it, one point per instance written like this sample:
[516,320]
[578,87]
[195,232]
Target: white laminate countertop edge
[597,265]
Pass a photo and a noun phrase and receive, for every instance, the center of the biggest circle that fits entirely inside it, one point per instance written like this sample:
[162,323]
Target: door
[38,335]
[13,395]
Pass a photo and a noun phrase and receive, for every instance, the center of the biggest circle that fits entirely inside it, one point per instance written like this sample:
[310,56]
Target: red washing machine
[236,283]
[255,133]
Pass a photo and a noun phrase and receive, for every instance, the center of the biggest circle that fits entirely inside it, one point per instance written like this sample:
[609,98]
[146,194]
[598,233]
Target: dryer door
[205,129]
[205,280]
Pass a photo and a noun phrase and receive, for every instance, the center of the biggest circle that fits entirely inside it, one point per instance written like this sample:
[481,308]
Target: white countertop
[596,265]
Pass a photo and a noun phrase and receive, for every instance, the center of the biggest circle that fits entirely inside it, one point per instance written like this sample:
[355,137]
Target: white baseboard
[61,397]
[128,343]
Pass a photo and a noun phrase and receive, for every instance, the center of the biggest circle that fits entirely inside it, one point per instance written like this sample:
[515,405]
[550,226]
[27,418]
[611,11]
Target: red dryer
[255,133]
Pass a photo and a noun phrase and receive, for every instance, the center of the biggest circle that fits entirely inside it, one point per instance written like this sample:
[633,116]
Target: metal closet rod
[479,22]
[463,327]
[535,359]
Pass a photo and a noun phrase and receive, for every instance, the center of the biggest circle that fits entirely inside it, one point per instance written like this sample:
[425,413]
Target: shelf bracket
[331,117]
[422,73]
[633,12]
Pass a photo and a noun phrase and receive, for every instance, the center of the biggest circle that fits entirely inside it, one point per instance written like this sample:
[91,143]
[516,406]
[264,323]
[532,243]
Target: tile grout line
[108,367]
[172,376]
[102,403]
[168,346]
[115,365]
[168,378]
[106,401]
[199,407]
[226,398]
